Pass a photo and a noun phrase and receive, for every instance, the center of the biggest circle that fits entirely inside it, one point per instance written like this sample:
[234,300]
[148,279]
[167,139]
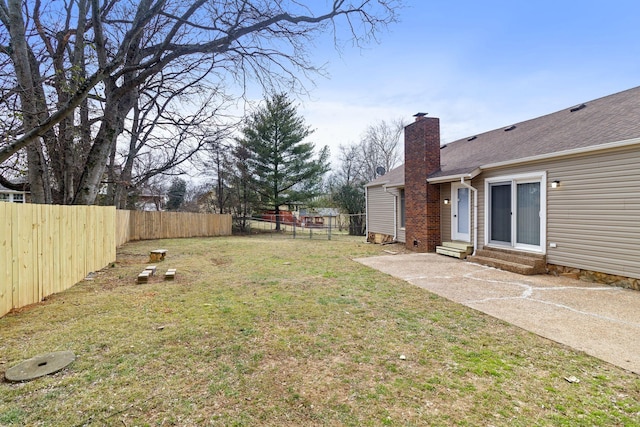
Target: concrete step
[513,252]
[515,261]
[504,265]
[452,252]
[517,258]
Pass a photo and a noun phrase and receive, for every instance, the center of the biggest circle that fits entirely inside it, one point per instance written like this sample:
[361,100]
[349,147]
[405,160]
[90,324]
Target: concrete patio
[600,320]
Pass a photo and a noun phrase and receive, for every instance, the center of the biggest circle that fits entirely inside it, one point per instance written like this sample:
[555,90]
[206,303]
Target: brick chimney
[422,200]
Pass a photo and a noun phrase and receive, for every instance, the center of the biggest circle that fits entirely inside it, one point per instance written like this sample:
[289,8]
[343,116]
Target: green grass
[266,331]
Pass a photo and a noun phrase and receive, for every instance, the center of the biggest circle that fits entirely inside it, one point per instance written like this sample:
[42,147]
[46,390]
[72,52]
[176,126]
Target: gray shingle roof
[609,119]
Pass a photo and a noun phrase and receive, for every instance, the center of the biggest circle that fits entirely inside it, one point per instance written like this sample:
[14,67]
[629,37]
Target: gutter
[452,178]
[366,214]
[535,158]
[475,213]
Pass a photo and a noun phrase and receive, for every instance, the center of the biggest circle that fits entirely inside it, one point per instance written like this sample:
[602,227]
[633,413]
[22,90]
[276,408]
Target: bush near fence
[45,249]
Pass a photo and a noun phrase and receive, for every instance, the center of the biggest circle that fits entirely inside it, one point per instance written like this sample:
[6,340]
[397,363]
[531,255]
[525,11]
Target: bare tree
[75,72]
[380,147]
[359,163]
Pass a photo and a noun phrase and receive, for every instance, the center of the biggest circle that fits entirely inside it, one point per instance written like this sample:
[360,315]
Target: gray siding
[593,217]
[401,237]
[445,212]
[380,211]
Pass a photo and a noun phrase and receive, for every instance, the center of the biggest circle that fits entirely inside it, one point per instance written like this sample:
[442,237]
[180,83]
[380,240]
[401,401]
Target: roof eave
[376,184]
[564,153]
[396,185]
[456,177]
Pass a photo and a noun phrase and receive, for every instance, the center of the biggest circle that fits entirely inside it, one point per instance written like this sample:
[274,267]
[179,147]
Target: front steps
[458,250]
[509,260]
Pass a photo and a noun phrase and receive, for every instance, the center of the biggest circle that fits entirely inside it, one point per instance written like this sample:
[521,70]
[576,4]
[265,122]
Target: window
[12,197]
[402,212]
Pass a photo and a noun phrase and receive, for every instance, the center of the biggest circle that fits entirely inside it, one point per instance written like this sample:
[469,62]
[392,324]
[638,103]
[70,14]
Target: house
[13,196]
[562,190]
[321,218]
[151,201]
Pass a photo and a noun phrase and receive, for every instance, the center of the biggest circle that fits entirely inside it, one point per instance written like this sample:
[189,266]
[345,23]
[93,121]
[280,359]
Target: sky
[476,65]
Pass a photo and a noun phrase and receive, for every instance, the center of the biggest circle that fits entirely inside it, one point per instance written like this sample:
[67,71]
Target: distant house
[320,217]
[7,195]
[149,201]
[563,188]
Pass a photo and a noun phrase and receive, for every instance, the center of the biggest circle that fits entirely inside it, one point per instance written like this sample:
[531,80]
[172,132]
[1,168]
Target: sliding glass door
[528,214]
[500,212]
[515,213]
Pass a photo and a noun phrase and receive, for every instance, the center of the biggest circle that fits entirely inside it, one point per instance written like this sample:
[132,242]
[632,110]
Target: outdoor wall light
[555,184]
[447,201]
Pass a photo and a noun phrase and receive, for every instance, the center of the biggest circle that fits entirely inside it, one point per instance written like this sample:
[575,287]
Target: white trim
[375,184]
[457,177]
[548,156]
[515,179]
[571,152]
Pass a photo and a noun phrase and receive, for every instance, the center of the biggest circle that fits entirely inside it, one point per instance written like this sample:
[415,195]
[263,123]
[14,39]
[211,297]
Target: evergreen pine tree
[283,167]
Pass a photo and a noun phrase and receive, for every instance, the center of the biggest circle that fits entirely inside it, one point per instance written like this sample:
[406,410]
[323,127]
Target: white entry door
[460,213]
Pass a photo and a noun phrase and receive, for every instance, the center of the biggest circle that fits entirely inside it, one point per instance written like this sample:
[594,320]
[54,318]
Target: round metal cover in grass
[38,366]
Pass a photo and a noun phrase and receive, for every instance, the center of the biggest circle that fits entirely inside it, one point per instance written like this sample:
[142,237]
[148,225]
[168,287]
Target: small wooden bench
[157,255]
[170,274]
[151,269]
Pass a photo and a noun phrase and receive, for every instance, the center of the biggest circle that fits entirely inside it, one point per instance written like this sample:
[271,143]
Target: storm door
[460,213]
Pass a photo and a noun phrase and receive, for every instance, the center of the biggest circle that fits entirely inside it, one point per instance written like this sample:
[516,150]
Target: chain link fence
[345,227]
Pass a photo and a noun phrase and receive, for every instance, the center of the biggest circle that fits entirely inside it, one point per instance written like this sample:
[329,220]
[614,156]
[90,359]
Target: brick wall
[422,200]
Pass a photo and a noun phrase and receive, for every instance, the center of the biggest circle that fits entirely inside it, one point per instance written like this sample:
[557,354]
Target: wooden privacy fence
[141,225]
[46,249]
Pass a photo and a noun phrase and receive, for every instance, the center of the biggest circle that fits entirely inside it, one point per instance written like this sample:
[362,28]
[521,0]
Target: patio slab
[603,321]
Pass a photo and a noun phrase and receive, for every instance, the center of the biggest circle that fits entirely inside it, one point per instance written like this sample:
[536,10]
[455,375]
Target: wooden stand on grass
[157,255]
[144,276]
[170,274]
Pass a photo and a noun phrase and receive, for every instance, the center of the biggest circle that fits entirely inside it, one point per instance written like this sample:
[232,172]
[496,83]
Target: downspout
[366,214]
[475,213]
[395,214]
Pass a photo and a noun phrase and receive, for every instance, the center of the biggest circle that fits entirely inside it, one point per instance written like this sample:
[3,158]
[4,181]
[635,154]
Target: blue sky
[477,66]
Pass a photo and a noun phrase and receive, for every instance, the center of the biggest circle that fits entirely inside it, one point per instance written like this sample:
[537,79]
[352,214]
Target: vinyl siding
[445,212]
[380,211]
[593,217]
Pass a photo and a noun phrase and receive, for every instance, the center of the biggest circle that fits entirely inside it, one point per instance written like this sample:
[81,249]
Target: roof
[393,178]
[613,118]
[4,189]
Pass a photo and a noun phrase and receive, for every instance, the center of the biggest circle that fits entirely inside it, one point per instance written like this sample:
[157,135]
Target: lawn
[281,332]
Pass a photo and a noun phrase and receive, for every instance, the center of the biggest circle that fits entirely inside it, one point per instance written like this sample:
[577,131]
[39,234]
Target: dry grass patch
[263,331]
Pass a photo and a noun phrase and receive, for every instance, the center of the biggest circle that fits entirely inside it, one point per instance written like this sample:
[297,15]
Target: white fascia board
[452,178]
[398,185]
[572,152]
[380,184]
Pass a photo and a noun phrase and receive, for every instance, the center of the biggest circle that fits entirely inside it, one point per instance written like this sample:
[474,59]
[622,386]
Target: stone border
[594,276]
